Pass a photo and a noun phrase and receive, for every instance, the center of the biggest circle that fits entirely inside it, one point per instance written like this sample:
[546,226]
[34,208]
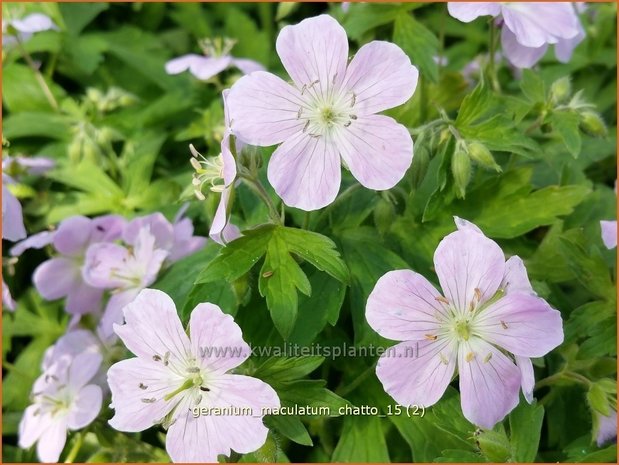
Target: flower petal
[52,440]
[12,219]
[134,383]
[565,47]
[519,55]
[516,279]
[32,425]
[609,233]
[216,340]
[316,49]
[466,261]
[73,235]
[469,11]
[222,231]
[203,438]
[607,429]
[7,299]
[380,76]
[55,278]
[527,382]
[83,368]
[113,313]
[83,299]
[417,373]
[246,66]
[183,63]
[152,328]
[158,225]
[209,67]
[489,383]
[264,110]
[377,150]
[35,22]
[305,171]
[86,407]
[403,307]
[36,241]
[522,324]
[103,260]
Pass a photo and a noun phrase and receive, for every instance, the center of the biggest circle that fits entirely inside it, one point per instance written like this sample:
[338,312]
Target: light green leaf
[525,424]
[419,43]
[362,440]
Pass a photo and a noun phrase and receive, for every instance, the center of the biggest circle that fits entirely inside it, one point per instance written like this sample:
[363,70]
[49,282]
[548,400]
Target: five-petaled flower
[172,375]
[328,114]
[487,323]
[528,28]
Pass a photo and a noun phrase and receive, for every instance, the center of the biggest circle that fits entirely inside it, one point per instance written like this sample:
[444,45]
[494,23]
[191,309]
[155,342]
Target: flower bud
[592,124]
[384,214]
[461,169]
[560,90]
[480,154]
[421,162]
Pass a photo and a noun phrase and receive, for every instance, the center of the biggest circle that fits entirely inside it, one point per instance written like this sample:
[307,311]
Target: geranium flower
[124,270]
[609,233]
[327,114]
[61,276]
[486,320]
[13,228]
[7,299]
[63,399]
[216,58]
[218,174]
[606,428]
[25,27]
[528,28]
[20,165]
[172,375]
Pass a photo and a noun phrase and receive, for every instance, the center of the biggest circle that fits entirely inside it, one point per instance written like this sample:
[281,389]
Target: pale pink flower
[606,428]
[609,233]
[216,59]
[172,375]
[529,27]
[63,399]
[33,166]
[26,27]
[327,116]
[486,321]
[7,299]
[13,228]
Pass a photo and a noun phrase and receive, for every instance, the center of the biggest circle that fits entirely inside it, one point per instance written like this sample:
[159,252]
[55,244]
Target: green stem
[37,74]
[563,375]
[344,391]
[261,192]
[306,220]
[491,62]
[72,455]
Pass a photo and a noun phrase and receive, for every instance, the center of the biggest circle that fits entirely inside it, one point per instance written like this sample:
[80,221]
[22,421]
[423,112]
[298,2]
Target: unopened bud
[461,169]
[591,123]
[421,162]
[480,154]
[384,214]
[560,90]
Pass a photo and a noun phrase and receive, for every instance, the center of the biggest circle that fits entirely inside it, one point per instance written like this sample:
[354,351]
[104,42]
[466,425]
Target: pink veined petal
[264,110]
[113,313]
[315,51]
[221,230]
[565,47]
[71,343]
[516,279]
[101,264]
[466,261]
[527,382]
[73,235]
[522,324]
[519,55]
[463,224]
[12,218]
[183,63]
[213,331]
[469,11]
[83,368]
[247,66]
[86,407]
[229,168]
[203,438]
[52,440]
[540,23]
[133,380]
[305,171]
[185,243]
[609,233]
[32,425]
[417,373]
[209,67]
[7,299]
[55,278]
[380,76]
[35,22]
[36,241]
[107,228]
[152,328]
[158,226]
[403,307]
[607,429]
[83,299]
[489,383]
[377,150]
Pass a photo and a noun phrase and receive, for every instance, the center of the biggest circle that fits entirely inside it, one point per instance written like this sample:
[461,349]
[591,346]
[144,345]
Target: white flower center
[325,109]
[209,173]
[217,47]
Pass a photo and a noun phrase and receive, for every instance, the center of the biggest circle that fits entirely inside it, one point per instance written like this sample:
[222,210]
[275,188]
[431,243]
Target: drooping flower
[328,116]
[528,28]
[25,27]
[63,399]
[606,428]
[216,58]
[19,165]
[13,228]
[7,299]
[125,271]
[609,233]
[486,321]
[61,276]
[173,376]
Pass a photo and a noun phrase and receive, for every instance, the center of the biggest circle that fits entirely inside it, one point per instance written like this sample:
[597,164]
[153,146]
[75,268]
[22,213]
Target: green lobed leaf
[525,424]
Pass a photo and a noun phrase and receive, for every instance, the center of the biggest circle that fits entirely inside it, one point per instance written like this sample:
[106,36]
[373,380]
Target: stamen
[488,357]
[166,358]
[504,325]
[431,337]
[299,112]
[152,400]
[353,116]
[353,100]
[199,399]
[306,125]
[443,358]
[333,80]
[205,389]
[193,370]
[347,124]
[478,294]
[195,164]
[315,136]
[303,89]
[156,358]
[442,300]
[143,386]
[469,357]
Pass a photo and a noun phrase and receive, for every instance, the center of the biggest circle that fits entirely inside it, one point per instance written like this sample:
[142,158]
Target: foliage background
[129,155]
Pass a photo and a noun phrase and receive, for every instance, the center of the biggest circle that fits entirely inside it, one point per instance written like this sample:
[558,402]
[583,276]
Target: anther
[504,325]
[333,80]
[204,389]
[488,357]
[431,337]
[143,386]
[442,300]
[443,358]
[193,370]
[166,358]
[353,116]
[199,399]
[478,294]
[299,112]
[306,125]
[152,400]
[469,357]
[156,358]
[303,89]
[347,124]
[353,100]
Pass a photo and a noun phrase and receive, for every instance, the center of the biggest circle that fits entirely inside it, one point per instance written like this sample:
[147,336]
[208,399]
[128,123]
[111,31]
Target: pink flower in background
[606,428]
[486,321]
[61,276]
[125,271]
[218,174]
[173,374]
[528,28]
[7,299]
[609,233]
[20,165]
[327,117]
[63,399]
[216,58]
[13,228]
[26,27]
